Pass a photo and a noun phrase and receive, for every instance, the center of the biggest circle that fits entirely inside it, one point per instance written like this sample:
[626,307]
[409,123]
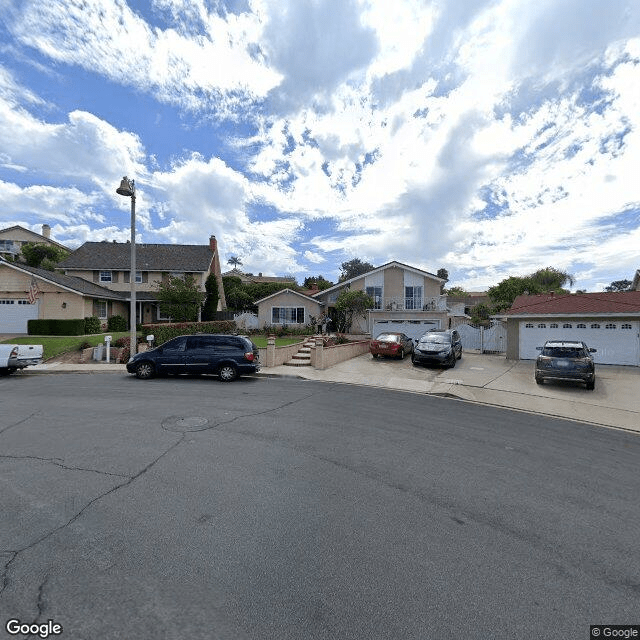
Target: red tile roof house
[608,322]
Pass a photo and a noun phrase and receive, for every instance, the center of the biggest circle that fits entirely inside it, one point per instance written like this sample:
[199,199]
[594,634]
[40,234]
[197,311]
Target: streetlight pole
[128,188]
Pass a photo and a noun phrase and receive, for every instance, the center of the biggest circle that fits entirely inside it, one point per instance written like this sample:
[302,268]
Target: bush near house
[117,323]
[56,327]
[92,325]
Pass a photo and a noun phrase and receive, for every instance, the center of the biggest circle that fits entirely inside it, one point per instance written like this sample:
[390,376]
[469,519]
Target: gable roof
[71,283]
[393,263]
[38,237]
[618,302]
[149,257]
[297,293]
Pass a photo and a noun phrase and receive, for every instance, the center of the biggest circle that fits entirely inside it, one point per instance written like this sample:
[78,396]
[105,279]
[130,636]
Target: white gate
[478,338]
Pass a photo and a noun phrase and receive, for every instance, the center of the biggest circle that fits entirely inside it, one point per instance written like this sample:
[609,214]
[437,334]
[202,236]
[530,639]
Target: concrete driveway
[494,380]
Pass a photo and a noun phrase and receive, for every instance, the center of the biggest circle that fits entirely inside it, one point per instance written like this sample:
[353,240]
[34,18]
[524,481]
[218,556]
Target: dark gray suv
[224,355]
[439,347]
[567,360]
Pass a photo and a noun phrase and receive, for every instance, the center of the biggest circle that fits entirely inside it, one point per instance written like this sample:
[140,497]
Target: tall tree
[42,256]
[213,296]
[180,298]
[234,261]
[319,281]
[354,268]
[444,274]
[544,280]
[350,305]
[619,285]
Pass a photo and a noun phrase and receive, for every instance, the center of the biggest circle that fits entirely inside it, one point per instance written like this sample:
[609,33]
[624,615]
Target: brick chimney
[213,244]
[46,231]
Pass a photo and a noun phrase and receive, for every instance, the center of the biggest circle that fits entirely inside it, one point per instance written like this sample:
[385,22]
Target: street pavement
[483,378]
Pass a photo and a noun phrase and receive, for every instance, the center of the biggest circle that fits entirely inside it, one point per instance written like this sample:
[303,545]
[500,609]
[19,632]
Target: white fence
[483,339]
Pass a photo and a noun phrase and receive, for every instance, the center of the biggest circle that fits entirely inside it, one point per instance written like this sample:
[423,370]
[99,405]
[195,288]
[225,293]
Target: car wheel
[374,355]
[460,356]
[401,356]
[145,370]
[228,373]
[539,380]
[452,364]
[591,385]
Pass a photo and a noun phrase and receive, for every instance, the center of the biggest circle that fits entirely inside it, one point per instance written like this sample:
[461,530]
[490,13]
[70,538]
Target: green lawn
[261,341]
[55,345]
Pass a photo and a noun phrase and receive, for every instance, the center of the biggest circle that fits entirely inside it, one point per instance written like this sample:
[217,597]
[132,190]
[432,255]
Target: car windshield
[435,338]
[388,337]
[564,352]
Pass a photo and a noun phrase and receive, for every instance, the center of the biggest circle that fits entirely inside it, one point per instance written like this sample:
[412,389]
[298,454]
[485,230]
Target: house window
[626,326]
[376,294]
[610,326]
[287,315]
[413,297]
[595,325]
[105,276]
[160,315]
[542,325]
[581,326]
[101,309]
[567,325]
[553,325]
[529,325]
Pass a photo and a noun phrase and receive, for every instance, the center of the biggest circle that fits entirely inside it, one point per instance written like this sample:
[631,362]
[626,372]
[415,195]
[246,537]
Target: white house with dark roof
[608,322]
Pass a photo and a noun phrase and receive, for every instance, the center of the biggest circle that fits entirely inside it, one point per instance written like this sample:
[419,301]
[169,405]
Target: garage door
[412,328]
[616,342]
[14,315]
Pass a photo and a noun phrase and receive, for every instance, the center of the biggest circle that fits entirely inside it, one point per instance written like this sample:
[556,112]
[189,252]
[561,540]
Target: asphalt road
[279,509]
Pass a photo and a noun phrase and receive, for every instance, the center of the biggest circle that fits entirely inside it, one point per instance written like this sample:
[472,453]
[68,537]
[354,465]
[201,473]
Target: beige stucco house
[31,294]
[12,239]
[108,264]
[406,299]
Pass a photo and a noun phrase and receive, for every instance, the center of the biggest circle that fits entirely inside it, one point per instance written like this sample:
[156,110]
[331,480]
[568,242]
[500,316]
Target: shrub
[91,325]
[84,345]
[117,323]
[53,327]
[164,332]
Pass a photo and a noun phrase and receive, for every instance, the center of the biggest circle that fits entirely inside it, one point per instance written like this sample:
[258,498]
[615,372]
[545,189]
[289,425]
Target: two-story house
[13,238]
[108,264]
[406,299]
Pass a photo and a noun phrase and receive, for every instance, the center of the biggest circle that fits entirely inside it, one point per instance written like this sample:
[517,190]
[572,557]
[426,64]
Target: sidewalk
[487,379]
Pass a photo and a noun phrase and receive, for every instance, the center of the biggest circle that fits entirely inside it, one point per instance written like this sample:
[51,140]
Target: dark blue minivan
[224,355]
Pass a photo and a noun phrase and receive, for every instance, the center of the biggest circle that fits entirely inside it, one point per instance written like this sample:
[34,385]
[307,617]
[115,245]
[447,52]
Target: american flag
[34,292]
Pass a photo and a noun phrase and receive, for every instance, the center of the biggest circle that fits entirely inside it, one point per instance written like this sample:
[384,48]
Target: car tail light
[250,356]
[14,352]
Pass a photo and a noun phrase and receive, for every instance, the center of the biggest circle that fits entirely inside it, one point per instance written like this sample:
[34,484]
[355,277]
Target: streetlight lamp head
[126,188]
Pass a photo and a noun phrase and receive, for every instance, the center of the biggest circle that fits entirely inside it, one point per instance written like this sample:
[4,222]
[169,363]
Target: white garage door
[616,342]
[412,328]
[15,313]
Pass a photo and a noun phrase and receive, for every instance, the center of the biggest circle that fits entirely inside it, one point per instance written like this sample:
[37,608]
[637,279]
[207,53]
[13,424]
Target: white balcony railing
[398,303]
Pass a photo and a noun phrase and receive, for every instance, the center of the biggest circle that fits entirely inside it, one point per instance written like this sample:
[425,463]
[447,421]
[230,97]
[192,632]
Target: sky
[491,138]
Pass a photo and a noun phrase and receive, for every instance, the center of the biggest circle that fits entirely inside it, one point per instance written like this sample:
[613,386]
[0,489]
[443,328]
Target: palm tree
[234,261]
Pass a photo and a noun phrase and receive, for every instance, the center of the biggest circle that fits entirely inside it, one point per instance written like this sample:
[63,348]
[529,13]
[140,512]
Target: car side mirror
[593,350]
[538,348]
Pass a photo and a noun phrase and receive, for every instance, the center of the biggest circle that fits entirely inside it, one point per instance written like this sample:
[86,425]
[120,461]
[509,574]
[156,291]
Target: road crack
[56,461]
[15,424]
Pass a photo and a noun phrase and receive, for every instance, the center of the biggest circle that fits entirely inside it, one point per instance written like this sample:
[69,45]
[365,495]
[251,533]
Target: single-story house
[608,322]
[288,307]
[27,294]
[249,278]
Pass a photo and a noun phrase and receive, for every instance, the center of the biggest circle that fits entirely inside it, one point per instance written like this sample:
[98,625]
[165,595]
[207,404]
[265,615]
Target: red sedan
[395,345]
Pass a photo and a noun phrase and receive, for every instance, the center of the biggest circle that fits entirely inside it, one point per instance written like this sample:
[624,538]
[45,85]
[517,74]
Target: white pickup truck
[18,356]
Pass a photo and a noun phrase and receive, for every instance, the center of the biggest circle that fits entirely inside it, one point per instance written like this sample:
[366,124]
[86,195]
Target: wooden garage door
[616,342]
[15,313]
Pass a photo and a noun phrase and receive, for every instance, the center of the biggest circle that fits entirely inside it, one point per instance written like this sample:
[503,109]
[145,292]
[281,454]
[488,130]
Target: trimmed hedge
[164,332]
[92,325]
[56,327]
[117,323]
